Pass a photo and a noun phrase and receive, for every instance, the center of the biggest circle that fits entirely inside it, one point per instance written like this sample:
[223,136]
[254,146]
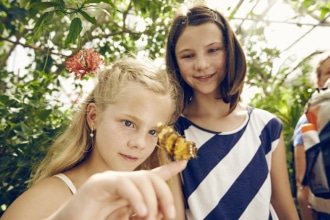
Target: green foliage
[31,111]
[27,127]
[75,29]
[318,9]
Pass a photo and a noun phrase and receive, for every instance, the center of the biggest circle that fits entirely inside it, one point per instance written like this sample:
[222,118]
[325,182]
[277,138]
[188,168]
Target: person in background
[114,130]
[241,170]
[310,207]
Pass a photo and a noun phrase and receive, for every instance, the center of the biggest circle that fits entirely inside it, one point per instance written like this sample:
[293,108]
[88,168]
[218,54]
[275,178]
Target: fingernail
[171,211]
[142,209]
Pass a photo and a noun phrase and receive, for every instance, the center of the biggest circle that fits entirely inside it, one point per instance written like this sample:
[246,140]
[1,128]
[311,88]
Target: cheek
[107,133]
[183,64]
[185,69]
[219,61]
[151,145]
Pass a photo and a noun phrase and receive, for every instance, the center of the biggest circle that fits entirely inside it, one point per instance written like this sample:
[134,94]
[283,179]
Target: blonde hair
[75,144]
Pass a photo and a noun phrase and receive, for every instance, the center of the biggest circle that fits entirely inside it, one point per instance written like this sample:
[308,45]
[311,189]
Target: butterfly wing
[184,150]
[174,144]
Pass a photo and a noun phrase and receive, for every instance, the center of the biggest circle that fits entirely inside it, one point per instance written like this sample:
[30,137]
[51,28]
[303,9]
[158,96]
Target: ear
[91,115]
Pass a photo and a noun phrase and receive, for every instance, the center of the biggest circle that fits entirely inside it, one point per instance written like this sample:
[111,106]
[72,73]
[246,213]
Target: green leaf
[44,5]
[75,29]
[25,129]
[7,101]
[61,3]
[92,1]
[110,2]
[87,17]
[41,23]
[22,162]
[24,3]
[44,114]
[4,99]
[324,12]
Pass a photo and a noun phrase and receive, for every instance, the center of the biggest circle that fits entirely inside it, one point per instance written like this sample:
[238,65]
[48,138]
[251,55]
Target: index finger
[169,170]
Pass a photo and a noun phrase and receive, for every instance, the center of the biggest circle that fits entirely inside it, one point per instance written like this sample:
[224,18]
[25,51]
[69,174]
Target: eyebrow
[131,117]
[136,120]
[184,50]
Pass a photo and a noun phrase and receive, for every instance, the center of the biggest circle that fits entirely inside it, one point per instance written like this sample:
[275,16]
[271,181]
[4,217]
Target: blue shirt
[297,136]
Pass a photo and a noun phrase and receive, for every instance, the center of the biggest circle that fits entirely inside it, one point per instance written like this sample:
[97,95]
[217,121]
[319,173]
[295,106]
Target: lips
[204,77]
[129,158]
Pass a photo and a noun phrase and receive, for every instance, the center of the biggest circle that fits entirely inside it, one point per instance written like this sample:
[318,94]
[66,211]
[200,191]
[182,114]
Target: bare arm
[39,201]
[281,194]
[142,192]
[112,194]
[300,164]
[302,191]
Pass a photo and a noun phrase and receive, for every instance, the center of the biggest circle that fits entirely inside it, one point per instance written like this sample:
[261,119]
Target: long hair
[74,145]
[232,85]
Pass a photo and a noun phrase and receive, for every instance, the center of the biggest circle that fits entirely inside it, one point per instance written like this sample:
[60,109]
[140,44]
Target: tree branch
[30,46]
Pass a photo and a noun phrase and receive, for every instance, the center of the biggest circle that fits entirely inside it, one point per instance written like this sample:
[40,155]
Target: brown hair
[232,85]
[319,67]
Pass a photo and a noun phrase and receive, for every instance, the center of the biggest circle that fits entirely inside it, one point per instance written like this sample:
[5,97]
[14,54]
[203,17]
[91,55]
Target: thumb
[169,170]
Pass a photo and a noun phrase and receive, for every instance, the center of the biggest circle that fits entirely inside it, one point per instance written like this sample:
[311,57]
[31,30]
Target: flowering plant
[84,62]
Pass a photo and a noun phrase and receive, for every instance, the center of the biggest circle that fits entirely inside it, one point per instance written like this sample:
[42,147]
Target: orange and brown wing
[175,144]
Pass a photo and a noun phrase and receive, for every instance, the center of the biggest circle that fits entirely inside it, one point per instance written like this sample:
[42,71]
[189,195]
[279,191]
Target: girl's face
[200,54]
[126,130]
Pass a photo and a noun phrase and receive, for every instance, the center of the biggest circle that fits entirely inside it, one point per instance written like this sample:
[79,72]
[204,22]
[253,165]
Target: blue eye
[153,132]
[128,123]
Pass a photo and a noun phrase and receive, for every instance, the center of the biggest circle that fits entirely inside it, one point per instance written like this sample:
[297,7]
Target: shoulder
[182,124]
[264,116]
[52,185]
[268,123]
[297,137]
[302,120]
[262,113]
[50,194]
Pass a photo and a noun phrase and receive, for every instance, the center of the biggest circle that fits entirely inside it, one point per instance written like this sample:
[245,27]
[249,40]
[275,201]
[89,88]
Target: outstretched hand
[124,195]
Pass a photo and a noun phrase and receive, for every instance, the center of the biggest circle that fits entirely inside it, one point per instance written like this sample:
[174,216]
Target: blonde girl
[114,130]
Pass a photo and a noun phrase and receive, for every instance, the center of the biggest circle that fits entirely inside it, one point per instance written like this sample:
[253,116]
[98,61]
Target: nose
[137,141]
[201,63]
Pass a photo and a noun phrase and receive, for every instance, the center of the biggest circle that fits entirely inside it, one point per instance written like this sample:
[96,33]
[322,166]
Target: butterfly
[175,144]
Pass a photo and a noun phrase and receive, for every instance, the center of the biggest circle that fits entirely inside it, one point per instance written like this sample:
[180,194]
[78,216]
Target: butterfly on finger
[175,144]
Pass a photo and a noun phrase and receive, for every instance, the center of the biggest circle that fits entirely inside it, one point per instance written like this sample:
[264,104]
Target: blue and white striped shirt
[230,179]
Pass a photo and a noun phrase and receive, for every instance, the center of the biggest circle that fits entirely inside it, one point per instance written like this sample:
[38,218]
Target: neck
[206,106]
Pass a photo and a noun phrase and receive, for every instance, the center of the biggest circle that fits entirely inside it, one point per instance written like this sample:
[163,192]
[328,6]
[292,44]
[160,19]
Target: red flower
[84,62]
